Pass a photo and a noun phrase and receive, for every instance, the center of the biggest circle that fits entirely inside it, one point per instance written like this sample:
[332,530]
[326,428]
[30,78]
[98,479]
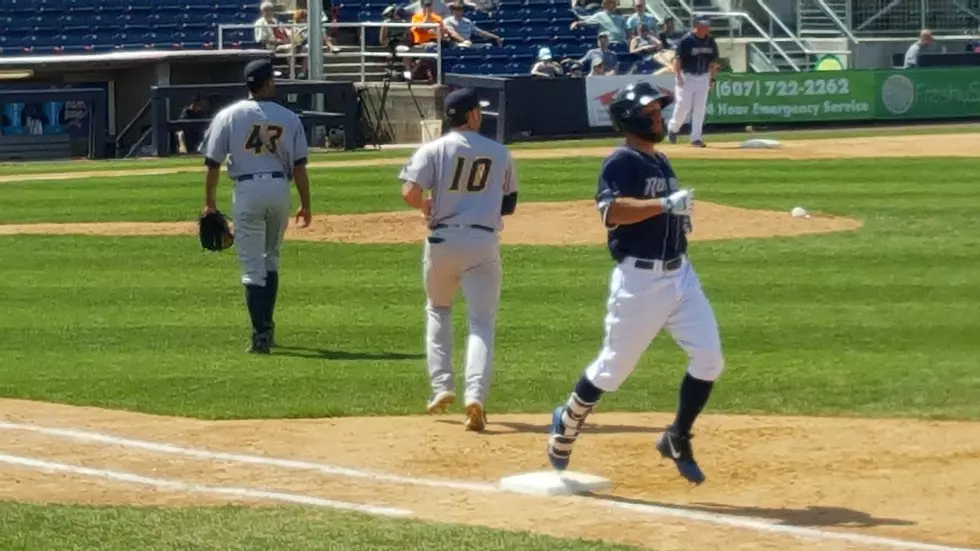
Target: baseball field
[848,416]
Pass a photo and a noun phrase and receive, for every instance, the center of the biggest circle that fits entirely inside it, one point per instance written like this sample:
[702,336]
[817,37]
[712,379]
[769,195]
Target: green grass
[367,154]
[25,527]
[878,322]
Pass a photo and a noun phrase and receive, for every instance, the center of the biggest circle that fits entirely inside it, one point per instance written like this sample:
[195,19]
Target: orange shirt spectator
[423,35]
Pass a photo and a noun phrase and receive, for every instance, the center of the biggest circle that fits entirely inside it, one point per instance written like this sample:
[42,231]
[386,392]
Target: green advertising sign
[932,93]
[792,97]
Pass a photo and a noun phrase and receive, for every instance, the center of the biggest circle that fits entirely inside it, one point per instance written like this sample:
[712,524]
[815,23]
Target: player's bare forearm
[302,180]
[211,187]
[629,210]
[412,195]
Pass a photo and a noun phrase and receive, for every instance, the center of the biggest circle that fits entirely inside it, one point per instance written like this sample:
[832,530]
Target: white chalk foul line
[186,487]
[758,525]
[87,436]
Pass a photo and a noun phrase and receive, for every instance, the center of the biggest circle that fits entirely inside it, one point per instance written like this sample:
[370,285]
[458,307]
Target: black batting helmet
[626,109]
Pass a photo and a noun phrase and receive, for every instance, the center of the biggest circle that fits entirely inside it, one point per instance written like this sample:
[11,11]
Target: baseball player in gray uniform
[463,183]
[266,148]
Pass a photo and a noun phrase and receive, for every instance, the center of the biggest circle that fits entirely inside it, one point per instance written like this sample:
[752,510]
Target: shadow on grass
[512,427]
[810,516]
[326,354]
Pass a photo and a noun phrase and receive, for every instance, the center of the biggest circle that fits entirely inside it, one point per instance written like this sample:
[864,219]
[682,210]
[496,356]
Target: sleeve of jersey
[418,169]
[301,149]
[608,188]
[215,145]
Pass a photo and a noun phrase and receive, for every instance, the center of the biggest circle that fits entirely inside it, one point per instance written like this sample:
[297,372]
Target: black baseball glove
[215,232]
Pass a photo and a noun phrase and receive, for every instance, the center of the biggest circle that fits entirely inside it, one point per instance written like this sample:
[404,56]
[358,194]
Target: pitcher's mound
[569,223]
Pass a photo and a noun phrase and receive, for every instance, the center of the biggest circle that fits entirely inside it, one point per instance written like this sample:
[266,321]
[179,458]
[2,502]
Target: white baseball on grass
[798,212]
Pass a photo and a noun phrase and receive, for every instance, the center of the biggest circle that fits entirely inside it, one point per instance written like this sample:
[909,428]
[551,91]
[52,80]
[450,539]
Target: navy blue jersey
[627,172]
[696,54]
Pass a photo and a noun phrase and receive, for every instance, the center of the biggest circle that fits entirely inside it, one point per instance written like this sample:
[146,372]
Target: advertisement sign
[48,117]
[818,96]
[932,93]
[599,91]
[792,97]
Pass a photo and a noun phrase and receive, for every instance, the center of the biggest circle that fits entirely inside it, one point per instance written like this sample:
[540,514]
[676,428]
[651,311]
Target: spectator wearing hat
[546,66]
[464,28]
[393,35]
[640,16]
[608,21]
[438,6]
[269,32]
[602,53]
[599,68]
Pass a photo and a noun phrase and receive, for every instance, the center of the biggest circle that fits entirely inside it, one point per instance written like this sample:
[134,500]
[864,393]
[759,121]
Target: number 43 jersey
[257,137]
[467,174]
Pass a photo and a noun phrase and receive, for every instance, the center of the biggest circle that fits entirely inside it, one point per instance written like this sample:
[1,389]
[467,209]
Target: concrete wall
[401,122]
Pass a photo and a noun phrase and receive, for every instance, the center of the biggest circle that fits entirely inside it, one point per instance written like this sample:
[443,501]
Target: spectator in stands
[426,36]
[669,35]
[925,45]
[546,66]
[572,68]
[302,33]
[463,28]
[584,8]
[269,32]
[600,68]
[438,6]
[394,36]
[639,16]
[608,21]
[602,53]
[644,45]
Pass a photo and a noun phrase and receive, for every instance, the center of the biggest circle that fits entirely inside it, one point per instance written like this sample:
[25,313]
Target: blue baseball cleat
[677,448]
[671,137]
[560,440]
[698,143]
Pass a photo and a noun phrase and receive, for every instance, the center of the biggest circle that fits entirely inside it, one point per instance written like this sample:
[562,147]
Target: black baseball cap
[257,72]
[462,101]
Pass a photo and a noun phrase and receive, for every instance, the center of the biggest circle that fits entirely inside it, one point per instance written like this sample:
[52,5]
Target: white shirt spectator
[546,66]
[268,31]
[439,7]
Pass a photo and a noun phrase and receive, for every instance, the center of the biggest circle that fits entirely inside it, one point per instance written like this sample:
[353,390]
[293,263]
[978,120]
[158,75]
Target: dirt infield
[815,476]
[939,145]
[569,223]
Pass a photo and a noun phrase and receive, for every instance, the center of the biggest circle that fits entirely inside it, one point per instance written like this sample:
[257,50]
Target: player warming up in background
[652,285]
[463,183]
[695,66]
[266,147]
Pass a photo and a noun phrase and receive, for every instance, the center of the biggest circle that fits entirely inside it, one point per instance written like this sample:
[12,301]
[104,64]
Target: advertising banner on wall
[819,96]
[48,117]
[599,91]
[792,97]
[932,93]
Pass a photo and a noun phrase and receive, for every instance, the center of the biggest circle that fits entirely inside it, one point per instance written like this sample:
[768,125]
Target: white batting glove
[679,202]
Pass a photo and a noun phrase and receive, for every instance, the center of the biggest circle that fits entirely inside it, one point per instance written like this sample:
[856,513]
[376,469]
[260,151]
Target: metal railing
[837,21]
[295,52]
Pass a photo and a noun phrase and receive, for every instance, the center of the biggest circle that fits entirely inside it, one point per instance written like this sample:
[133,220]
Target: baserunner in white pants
[463,183]
[695,65]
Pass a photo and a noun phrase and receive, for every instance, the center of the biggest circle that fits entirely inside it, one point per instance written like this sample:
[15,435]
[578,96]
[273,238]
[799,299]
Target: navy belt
[669,265]
[246,177]
[474,226]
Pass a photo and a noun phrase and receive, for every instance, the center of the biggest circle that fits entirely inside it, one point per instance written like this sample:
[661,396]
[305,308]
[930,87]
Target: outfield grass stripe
[760,525]
[292,464]
[179,486]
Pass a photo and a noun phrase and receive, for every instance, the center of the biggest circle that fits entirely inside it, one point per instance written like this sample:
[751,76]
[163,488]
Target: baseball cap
[706,21]
[257,72]
[426,2]
[603,34]
[461,101]
[544,54]
[457,6]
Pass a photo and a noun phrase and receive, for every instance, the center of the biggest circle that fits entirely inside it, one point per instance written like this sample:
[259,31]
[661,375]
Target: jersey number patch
[255,143]
[476,179]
